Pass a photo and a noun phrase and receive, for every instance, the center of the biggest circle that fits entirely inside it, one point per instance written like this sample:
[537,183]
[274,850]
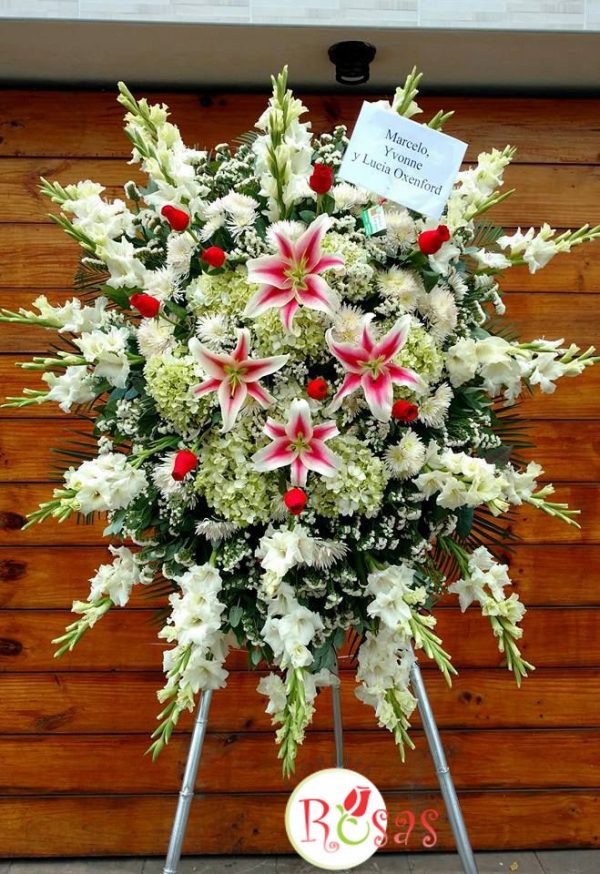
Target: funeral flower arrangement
[302,430]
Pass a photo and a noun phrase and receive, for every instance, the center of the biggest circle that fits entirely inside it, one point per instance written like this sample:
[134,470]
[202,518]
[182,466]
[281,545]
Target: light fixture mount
[351,59]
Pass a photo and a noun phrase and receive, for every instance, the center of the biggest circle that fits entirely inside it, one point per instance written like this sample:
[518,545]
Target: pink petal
[405,376]
[308,246]
[352,357]
[269,269]
[317,295]
[243,345]
[366,339]
[285,246]
[300,421]
[393,341]
[266,297]
[351,382]
[299,472]
[274,429]
[231,401]
[207,386]
[261,395]
[276,454]
[325,431]
[328,262]
[212,363]
[379,393]
[287,315]
[256,368]
[320,459]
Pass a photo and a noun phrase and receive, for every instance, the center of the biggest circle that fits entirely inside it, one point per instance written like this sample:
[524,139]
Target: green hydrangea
[226,293]
[358,485]
[354,280]
[169,380]
[422,354]
[273,339]
[229,483]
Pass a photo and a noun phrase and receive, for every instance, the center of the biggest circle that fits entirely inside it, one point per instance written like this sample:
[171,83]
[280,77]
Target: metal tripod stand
[436,749]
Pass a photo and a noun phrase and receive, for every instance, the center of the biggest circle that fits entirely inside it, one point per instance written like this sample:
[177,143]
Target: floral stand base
[455,817]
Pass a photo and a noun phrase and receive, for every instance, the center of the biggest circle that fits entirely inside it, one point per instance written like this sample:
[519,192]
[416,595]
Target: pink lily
[291,277]
[370,366]
[235,376]
[300,444]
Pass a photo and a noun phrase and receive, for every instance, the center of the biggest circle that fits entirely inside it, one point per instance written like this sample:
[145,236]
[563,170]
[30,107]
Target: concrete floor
[546,862]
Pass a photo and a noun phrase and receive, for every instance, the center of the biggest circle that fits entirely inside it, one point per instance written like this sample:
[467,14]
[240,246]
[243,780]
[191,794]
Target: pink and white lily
[291,277]
[235,377]
[370,366]
[300,444]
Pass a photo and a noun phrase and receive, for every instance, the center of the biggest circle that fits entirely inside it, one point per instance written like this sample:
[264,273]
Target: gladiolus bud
[295,500]
[177,218]
[321,179]
[185,461]
[145,304]
[431,242]
[317,389]
[404,411]
[214,256]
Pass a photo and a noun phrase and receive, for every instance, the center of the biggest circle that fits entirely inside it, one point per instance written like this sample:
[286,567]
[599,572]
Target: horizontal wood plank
[127,639]
[557,194]
[124,702]
[98,825]
[45,258]
[531,525]
[550,575]
[29,129]
[26,449]
[491,759]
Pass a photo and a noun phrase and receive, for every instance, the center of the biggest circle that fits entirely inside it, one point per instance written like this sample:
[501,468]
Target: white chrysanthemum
[404,287]
[400,232]
[406,458]
[179,253]
[348,196]
[161,283]
[442,312]
[155,337]
[291,229]
[327,553]
[216,530]
[347,323]
[434,409]
[214,330]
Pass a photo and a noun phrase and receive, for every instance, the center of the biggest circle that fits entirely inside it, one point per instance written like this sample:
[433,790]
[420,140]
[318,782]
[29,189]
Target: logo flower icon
[357,801]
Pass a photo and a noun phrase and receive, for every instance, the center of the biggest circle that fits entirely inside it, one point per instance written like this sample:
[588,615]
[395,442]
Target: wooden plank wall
[72,733]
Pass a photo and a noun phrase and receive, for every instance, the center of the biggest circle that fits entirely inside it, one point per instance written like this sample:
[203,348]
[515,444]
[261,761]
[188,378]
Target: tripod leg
[457,823]
[337,723]
[187,787]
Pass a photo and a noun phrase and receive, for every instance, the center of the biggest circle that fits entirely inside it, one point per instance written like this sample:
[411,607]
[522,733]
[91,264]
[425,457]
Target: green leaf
[117,295]
[465,521]
[235,615]
[307,215]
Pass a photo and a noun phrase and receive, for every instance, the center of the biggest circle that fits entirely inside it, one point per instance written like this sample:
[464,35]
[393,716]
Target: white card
[403,161]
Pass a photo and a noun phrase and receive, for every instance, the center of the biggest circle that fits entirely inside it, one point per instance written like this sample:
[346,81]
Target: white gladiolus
[116,580]
[104,483]
[107,351]
[74,386]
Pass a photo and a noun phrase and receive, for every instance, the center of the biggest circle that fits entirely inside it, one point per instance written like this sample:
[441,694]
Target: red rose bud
[431,242]
[317,389]
[404,411]
[357,801]
[295,500]
[214,256]
[145,304]
[185,461]
[177,218]
[321,179]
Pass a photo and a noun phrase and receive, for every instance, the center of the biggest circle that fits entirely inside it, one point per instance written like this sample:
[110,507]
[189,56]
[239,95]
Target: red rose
[404,411]
[295,500]
[145,304]
[317,389]
[321,178]
[177,218]
[431,242]
[185,461]
[214,256]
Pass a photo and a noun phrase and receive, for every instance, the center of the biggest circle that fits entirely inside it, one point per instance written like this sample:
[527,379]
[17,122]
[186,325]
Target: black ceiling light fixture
[351,59]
